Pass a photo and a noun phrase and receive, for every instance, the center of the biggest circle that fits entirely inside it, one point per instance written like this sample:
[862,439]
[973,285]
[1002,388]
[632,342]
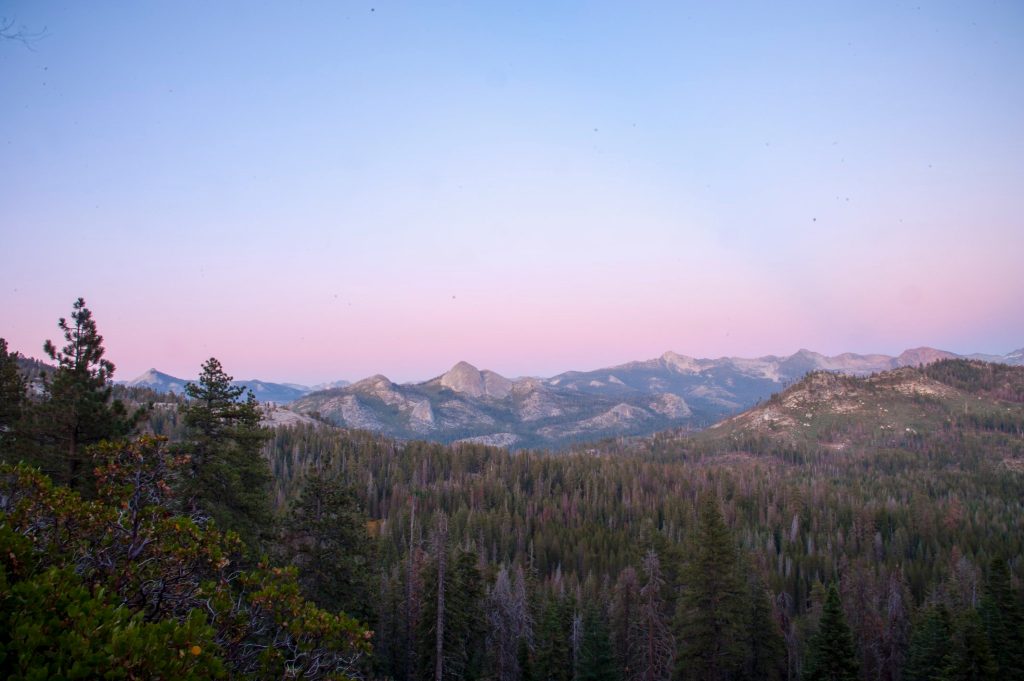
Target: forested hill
[836,412]
[848,528]
[913,521]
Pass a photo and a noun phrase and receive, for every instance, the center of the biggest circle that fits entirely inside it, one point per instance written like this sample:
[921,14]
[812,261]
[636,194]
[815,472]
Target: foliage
[711,618]
[54,626]
[596,662]
[553,661]
[542,553]
[126,562]
[1003,621]
[765,659]
[325,536]
[832,656]
[228,477]
[77,409]
[452,628]
[970,656]
[13,398]
[929,646]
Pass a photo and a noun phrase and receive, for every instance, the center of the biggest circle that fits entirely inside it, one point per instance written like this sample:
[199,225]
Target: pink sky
[532,189]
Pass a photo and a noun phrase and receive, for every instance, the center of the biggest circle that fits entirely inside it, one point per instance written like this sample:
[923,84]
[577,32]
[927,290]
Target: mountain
[637,398]
[279,393]
[272,392]
[159,381]
[834,411]
[326,386]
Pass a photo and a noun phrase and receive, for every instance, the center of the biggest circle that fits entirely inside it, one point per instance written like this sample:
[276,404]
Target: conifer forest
[154,536]
[391,340]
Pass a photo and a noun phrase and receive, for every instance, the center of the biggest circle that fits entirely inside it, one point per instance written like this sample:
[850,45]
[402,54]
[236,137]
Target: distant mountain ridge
[671,391]
[835,412]
[280,393]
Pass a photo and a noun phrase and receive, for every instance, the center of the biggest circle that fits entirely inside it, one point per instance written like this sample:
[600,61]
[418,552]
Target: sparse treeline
[667,558]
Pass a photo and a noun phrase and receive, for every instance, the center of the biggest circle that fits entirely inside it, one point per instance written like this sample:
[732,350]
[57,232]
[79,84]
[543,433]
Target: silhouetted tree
[78,410]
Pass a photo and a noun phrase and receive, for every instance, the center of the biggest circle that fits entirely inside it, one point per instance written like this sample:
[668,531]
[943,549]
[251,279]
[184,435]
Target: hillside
[837,412]
[633,399]
[901,486]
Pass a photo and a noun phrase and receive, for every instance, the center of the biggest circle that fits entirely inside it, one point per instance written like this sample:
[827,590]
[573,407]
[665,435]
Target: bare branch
[11,30]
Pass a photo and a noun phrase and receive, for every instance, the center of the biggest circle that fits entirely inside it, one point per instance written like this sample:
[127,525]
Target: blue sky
[320,190]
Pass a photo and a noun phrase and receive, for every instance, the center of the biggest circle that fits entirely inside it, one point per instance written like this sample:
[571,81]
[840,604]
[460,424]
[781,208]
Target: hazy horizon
[189,373]
[320,191]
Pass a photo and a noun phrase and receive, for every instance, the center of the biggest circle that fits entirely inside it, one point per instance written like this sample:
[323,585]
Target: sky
[312,191]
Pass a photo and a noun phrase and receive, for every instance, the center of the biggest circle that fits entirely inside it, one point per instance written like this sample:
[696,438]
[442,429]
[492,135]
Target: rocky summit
[637,398]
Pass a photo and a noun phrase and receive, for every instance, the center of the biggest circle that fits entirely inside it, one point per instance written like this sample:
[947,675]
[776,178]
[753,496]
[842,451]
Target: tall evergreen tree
[467,622]
[452,626]
[766,655]
[596,661]
[13,400]
[553,661]
[325,537]
[229,478]
[712,612]
[831,656]
[1003,621]
[970,655]
[930,644]
[623,618]
[78,410]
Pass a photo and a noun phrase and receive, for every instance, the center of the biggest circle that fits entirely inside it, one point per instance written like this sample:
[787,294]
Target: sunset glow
[326,191]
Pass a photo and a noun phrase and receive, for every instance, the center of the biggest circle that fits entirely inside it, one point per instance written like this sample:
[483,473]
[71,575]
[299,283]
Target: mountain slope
[637,398]
[833,411]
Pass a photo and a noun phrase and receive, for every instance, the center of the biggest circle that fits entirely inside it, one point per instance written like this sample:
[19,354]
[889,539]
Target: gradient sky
[322,190]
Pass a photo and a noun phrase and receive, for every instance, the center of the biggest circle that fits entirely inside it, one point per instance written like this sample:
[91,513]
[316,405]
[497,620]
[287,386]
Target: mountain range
[637,398]
[279,393]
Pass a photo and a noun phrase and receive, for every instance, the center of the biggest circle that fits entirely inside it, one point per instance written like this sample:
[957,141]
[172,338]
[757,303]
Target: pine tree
[766,656]
[553,661]
[831,656]
[623,617]
[712,613]
[467,626]
[1004,625]
[452,628]
[930,644]
[230,479]
[325,537]
[78,410]
[13,399]
[970,656]
[596,662]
